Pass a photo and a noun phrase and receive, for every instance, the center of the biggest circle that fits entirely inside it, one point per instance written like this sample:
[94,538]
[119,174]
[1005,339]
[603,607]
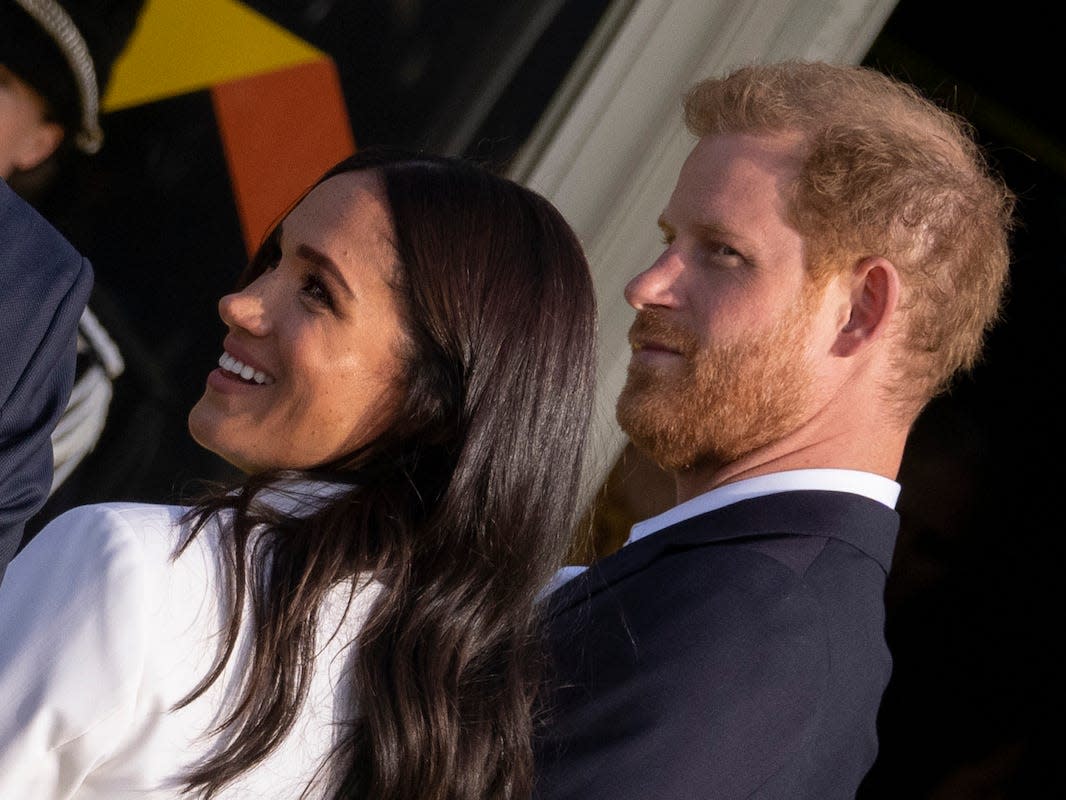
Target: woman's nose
[245,309]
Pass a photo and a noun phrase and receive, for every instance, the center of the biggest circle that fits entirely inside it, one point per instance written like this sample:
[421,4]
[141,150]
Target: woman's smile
[245,372]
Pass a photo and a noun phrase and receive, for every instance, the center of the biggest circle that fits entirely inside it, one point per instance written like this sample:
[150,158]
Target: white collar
[867,484]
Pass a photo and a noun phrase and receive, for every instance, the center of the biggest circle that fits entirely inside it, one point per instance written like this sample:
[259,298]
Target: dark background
[975,599]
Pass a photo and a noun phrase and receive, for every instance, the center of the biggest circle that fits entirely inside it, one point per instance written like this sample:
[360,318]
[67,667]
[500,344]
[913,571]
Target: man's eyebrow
[326,264]
[713,231]
[707,229]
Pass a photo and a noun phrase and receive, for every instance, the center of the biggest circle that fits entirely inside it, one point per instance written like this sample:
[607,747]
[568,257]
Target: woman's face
[311,363]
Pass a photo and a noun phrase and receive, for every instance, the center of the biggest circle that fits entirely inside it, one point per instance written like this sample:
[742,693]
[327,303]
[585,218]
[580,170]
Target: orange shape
[280,131]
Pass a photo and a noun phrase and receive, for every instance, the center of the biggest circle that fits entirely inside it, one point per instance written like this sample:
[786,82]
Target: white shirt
[101,633]
[867,484]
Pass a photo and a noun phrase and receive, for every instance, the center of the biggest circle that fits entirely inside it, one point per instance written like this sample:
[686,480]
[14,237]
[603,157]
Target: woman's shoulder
[97,600]
[107,576]
[118,550]
[118,515]
[104,555]
[105,531]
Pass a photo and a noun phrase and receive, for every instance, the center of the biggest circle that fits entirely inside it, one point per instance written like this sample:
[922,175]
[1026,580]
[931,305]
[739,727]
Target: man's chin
[644,415]
[637,402]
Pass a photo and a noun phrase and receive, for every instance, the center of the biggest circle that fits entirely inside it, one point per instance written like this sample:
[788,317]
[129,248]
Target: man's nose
[657,286]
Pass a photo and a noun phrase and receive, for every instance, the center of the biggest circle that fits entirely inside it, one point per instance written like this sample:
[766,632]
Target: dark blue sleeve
[44,287]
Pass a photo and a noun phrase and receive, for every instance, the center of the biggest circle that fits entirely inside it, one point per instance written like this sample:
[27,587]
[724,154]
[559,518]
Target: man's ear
[37,145]
[874,295]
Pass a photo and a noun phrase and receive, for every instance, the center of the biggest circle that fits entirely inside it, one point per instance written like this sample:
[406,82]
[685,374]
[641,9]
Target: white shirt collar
[866,484]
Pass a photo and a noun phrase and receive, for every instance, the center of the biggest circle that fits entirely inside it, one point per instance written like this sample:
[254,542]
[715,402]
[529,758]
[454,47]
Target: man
[834,252]
[43,291]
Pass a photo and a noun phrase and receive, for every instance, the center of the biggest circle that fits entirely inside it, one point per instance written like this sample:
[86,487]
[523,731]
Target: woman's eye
[315,289]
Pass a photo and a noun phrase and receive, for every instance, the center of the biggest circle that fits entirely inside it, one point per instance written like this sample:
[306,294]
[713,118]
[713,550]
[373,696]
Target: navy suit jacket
[44,286]
[737,654]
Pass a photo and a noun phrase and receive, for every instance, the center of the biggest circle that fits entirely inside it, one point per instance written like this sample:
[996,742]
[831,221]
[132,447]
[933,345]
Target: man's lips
[651,353]
[651,335]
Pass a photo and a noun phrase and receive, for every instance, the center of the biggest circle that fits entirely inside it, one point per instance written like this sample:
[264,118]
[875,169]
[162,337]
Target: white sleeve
[73,632]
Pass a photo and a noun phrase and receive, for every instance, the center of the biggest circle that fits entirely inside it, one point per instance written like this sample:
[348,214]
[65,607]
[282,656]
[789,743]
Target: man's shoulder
[738,596]
[797,607]
[749,630]
[759,549]
[713,665]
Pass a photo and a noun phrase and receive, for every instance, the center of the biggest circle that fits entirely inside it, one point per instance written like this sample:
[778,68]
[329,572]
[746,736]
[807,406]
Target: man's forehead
[728,169]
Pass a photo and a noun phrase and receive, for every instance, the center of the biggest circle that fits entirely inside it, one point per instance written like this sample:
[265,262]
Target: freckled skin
[335,362]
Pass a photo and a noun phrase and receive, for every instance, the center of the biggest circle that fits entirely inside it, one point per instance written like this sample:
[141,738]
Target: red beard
[715,402]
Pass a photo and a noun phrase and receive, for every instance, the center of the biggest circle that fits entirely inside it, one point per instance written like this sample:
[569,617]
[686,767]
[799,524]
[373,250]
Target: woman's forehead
[350,206]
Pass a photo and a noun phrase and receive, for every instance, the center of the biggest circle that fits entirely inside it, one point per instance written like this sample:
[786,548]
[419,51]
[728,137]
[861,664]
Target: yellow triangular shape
[182,46]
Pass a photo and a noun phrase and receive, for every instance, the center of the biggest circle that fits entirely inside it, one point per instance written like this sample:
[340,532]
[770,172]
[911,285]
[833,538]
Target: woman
[406,380]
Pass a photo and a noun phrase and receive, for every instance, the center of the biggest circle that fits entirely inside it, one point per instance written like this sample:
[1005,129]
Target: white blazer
[101,633]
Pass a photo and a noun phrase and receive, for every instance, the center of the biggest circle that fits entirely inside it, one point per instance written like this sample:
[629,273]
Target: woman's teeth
[239,368]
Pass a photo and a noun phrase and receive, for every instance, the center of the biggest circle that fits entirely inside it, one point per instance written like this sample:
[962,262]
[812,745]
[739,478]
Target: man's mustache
[650,330]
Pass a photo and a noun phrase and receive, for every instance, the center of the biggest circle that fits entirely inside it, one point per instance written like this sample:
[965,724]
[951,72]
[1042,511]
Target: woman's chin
[199,427]
[205,431]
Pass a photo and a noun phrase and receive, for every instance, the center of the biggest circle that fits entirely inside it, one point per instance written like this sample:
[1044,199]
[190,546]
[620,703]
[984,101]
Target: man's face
[26,137]
[721,344]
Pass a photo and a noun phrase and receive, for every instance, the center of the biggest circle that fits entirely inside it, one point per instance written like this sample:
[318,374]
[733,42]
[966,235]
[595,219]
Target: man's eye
[719,249]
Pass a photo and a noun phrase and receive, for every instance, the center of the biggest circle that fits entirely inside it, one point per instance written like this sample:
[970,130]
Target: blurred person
[44,286]
[406,382]
[834,251]
[56,58]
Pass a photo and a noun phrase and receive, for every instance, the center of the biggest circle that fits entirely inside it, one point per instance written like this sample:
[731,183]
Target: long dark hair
[462,509]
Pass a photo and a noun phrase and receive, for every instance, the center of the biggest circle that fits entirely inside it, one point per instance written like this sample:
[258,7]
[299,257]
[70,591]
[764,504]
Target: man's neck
[854,454]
